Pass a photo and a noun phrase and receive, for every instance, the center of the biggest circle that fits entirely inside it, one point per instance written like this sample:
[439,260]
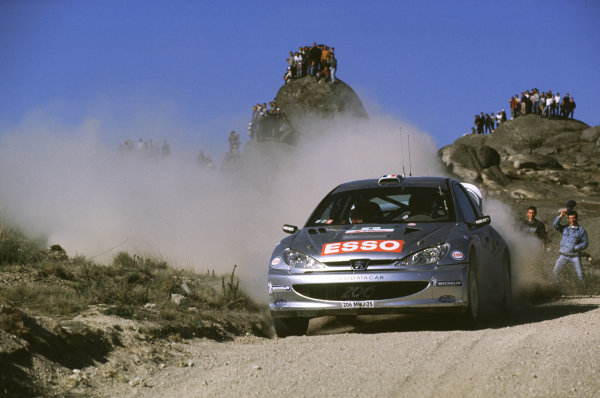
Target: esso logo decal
[276,261]
[354,246]
[457,255]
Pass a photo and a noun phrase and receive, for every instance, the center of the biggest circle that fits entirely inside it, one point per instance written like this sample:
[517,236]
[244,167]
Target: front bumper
[402,290]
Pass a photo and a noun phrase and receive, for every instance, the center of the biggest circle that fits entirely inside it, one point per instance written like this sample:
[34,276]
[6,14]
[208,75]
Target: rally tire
[472,314]
[290,326]
[507,284]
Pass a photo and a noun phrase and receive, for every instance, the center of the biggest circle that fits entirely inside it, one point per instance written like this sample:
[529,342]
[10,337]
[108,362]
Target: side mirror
[485,220]
[290,229]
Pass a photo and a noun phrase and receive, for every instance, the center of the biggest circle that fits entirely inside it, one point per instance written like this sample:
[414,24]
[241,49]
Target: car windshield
[385,205]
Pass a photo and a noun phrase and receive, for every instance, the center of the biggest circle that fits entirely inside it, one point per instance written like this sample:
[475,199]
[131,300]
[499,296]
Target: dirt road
[550,350]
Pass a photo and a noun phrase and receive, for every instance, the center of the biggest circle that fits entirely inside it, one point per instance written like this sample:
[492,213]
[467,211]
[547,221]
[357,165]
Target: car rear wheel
[290,326]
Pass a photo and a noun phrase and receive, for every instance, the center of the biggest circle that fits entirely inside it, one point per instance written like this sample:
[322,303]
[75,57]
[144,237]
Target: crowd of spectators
[148,149]
[317,61]
[268,123]
[486,124]
[545,104]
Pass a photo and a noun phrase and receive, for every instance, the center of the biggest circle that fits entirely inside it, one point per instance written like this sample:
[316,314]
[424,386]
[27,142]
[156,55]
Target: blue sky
[189,71]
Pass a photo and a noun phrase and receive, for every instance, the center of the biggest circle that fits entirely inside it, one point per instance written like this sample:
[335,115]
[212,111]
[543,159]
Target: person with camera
[574,240]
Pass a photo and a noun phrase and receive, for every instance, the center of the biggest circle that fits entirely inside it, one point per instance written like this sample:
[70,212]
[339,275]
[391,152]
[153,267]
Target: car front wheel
[290,326]
[506,273]
[472,314]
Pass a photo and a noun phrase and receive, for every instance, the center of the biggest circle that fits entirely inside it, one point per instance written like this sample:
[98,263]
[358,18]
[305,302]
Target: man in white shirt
[548,107]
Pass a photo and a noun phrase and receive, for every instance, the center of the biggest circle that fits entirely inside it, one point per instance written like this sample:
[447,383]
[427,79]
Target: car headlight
[299,260]
[431,255]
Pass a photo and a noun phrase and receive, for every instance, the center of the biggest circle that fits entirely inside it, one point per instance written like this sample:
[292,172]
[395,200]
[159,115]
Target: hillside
[535,161]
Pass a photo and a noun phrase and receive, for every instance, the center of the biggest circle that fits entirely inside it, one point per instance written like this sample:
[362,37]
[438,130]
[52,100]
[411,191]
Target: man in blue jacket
[574,239]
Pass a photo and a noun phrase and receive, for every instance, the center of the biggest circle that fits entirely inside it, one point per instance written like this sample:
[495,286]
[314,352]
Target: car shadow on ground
[443,322]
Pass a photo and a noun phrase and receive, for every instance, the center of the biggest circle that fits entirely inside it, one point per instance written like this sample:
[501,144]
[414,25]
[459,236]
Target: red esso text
[362,246]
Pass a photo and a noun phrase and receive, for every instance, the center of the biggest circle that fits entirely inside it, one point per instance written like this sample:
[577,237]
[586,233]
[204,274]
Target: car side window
[464,204]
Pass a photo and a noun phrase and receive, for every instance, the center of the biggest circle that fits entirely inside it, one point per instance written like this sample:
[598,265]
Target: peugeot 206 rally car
[389,245]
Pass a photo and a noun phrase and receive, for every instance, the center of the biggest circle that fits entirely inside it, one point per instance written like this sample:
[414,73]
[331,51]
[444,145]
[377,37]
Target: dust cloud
[68,185]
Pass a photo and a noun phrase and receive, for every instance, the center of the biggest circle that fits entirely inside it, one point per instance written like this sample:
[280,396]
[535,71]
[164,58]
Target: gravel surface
[549,350]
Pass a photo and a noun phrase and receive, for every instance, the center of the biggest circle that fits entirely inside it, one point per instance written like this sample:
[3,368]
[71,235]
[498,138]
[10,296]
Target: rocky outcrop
[307,97]
[528,143]
[474,162]
[535,161]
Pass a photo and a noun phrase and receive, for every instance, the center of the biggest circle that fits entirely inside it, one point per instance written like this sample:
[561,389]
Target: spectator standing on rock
[312,69]
[487,122]
[513,107]
[548,107]
[332,66]
[555,104]
[571,108]
[297,71]
[324,56]
[482,122]
[535,101]
[234,143]
[324,73]
[563,105]
[574,240]
[533,225]
[287,76]
[315,56]
[523,109]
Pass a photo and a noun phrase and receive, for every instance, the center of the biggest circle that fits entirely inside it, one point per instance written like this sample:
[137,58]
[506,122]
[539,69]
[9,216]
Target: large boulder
[530,133]
[473,163]
[306,98]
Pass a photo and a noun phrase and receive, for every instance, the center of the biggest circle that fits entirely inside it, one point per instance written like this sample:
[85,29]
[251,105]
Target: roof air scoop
[391,179]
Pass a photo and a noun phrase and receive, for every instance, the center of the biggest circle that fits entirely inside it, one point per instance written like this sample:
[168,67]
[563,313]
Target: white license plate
[358,304]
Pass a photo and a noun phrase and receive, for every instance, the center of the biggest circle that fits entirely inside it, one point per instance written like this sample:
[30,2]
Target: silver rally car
[389,245]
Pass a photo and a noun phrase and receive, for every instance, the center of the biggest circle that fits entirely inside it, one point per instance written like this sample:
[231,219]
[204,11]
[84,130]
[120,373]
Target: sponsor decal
[447,299]
[457,255]
[482,220]
[289,228]
[281,288]
[275,261]
[448,283]
[329,221]
[411,224]
[369,230]
[360,278]
[280,303]
[394,246]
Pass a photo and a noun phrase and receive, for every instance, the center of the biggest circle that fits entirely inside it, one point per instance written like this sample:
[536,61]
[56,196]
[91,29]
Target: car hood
[395,241]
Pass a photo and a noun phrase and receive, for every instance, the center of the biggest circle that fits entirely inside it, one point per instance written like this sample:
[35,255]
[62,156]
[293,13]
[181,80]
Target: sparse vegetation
[179,302]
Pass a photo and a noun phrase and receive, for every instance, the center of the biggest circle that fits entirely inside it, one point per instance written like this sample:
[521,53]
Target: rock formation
[535,161]
[307,97]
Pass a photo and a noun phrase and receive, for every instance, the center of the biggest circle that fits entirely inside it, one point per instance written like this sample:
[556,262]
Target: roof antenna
[402,153]
[409,162]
